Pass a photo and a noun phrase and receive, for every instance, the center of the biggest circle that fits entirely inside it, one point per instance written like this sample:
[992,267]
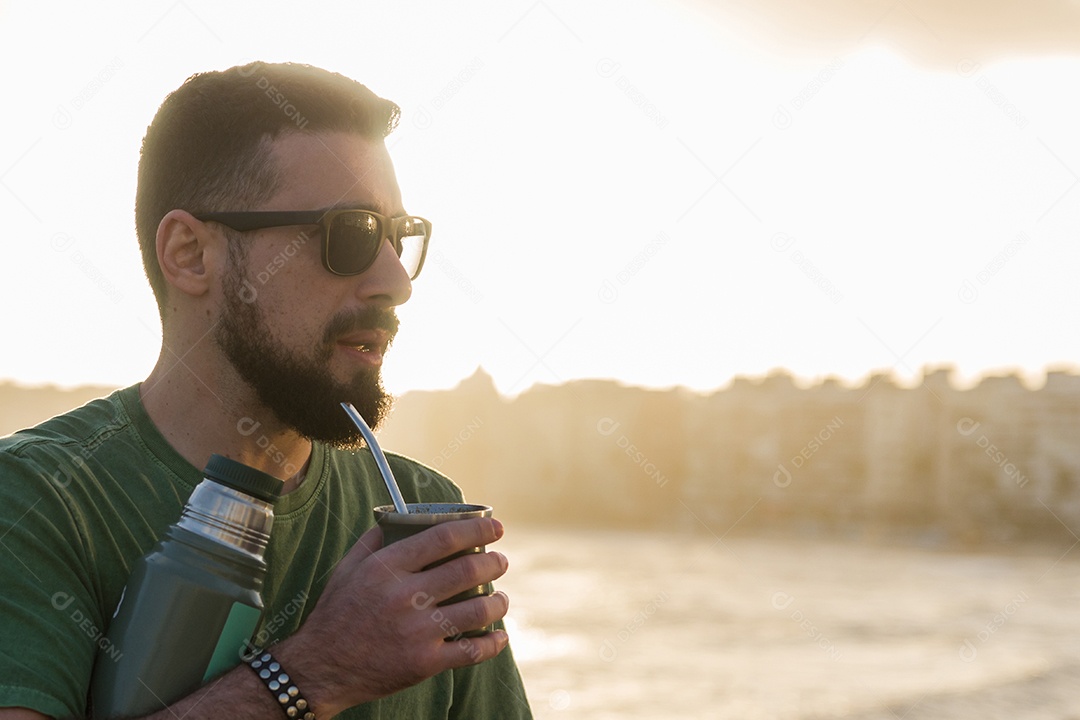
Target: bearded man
[277,244]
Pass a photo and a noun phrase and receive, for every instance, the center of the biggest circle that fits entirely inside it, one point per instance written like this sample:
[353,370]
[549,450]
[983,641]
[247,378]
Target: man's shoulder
[84,424]
[430,484]
[90,463]
[418,482]
[78,431]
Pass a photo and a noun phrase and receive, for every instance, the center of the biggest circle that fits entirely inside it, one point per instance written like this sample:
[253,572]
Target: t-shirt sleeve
[492,690]
[50,626]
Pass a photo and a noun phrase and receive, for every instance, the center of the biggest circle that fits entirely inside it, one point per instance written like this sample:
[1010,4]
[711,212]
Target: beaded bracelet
[280,684]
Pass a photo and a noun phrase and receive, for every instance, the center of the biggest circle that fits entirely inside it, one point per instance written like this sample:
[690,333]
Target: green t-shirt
[84,495]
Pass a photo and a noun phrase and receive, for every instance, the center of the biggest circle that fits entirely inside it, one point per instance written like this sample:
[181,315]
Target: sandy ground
[646,625]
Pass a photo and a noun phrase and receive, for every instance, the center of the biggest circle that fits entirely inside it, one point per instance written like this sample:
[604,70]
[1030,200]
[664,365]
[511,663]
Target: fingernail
[498,528]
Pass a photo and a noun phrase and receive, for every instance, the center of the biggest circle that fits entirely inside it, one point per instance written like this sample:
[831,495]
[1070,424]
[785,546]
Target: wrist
[282,686]
[303,668]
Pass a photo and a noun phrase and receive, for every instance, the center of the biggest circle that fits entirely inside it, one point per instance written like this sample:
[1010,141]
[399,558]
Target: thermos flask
[192,604]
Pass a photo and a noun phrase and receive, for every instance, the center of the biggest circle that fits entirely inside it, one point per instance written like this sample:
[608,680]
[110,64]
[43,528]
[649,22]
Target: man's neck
[228,420]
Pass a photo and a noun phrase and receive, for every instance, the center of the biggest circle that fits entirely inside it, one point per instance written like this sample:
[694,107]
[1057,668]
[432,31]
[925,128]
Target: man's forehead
[333,169]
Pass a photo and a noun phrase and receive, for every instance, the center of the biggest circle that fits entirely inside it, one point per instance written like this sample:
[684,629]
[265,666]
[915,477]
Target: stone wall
[994,462]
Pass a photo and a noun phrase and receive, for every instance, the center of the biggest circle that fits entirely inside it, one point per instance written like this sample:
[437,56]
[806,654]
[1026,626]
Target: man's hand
[21,714]
[377,629]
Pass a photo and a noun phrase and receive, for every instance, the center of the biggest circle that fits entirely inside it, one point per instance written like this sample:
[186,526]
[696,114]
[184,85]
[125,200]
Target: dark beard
[298,390]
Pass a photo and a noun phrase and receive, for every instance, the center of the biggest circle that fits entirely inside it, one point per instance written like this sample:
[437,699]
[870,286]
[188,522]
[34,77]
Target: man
[269,321]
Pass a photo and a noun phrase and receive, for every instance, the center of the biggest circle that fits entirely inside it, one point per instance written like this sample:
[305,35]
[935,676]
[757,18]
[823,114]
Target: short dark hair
[207,148]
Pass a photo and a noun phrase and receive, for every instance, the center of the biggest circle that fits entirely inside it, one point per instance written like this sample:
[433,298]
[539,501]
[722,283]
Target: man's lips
[369,345]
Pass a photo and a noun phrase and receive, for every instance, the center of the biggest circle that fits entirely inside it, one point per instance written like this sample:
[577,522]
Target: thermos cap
[243,478]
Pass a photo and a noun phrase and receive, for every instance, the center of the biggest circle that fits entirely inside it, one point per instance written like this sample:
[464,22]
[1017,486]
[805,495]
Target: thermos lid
[243,478]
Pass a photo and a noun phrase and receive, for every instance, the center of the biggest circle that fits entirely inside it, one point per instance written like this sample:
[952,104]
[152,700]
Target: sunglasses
[351,239]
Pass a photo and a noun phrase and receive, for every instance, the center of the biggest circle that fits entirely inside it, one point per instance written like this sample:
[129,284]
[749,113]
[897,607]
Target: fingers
[462,574]
[410,558]
[480,612]
[472,650]
[443,540]
[451,621]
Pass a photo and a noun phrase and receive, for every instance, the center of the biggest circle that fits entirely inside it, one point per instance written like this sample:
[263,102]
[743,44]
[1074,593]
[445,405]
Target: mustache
[371,318]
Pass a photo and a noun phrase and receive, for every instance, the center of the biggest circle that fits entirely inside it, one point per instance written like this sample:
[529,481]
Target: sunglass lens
[412,242]
[352,242]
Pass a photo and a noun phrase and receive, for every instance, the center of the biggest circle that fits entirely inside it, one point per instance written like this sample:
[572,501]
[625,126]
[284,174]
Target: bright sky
[664,193]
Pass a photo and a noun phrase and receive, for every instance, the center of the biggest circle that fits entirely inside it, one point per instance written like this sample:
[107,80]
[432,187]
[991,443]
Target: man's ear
[190,254]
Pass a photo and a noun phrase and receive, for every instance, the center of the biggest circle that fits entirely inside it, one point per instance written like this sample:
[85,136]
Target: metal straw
[380,459]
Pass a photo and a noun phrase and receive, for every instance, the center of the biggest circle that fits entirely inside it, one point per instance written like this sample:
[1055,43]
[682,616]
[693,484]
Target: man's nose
[386,282]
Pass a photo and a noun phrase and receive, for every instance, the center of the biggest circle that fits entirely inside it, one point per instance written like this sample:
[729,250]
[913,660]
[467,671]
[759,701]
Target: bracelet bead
[280,684]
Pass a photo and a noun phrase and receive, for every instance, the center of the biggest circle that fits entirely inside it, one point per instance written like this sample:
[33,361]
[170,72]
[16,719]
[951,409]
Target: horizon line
[1028,379]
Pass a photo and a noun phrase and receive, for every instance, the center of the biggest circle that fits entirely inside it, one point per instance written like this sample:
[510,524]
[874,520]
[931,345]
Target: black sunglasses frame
[244,221]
